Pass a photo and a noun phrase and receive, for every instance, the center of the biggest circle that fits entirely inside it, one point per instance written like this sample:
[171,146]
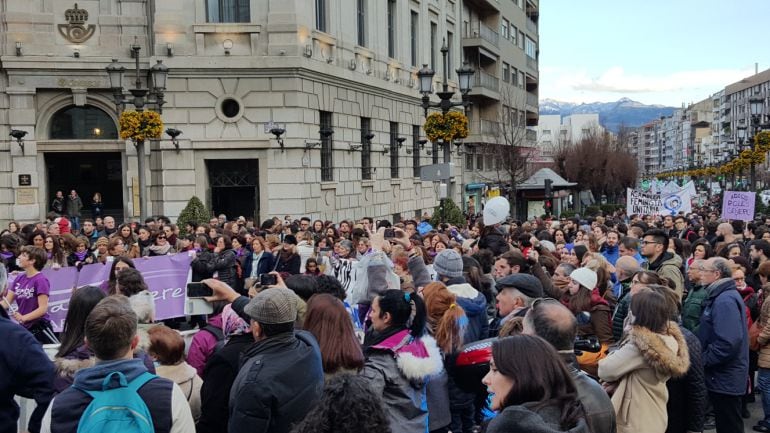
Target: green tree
[448,212]
[195,211]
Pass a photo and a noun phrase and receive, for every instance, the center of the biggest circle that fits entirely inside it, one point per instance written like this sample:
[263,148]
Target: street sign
[436,172]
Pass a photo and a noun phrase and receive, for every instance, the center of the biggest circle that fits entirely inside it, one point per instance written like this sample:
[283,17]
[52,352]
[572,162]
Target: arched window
[82,123]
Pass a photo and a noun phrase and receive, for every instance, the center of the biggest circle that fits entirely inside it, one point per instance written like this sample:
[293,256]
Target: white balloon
[496,211]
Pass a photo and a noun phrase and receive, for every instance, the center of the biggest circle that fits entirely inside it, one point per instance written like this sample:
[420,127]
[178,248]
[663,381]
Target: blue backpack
[117,410]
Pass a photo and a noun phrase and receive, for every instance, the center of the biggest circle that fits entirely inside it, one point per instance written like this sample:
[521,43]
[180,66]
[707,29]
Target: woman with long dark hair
[143,242]
[400,358]
[73,354]
[347,406]
[119,264]
[288,260]
[126,234]
[329,322]
[531,388]
[224,262]
[54,252]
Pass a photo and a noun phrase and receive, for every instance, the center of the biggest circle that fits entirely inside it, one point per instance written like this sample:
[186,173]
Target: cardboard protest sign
[738,205]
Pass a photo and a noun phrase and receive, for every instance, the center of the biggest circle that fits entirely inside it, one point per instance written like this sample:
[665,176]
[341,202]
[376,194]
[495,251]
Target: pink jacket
[202,346]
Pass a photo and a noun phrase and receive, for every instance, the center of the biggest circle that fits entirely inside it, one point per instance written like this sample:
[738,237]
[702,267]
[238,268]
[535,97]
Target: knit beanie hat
[448,263]
[585,277]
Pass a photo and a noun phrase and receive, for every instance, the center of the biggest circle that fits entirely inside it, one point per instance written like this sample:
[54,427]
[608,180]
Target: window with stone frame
[327,147]
[228,11]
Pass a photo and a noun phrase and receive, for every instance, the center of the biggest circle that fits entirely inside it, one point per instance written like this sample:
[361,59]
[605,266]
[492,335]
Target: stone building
[339,76]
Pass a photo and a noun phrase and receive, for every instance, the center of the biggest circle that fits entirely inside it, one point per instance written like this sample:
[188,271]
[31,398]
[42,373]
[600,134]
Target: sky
[653,51]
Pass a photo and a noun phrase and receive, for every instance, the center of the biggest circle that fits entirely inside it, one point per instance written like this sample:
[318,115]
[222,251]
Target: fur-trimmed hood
[666,353]
[68,367]
[417,359]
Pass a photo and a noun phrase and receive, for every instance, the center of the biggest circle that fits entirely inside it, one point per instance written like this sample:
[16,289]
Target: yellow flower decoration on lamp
[446,127]
[140,125]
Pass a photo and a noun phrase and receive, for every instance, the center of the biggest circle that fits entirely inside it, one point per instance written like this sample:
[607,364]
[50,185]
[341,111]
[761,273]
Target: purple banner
[166,278]
[62,281]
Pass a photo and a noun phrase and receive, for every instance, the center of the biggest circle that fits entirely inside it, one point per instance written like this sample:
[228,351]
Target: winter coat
[57,205]
[189,382]
[621,311]
[521,419]
[201,266]
[168,407]
[600,415]
[218,377]
[475,305]
[494,241]
[764,336]
[687,395]
[692,307]
[69,364]
[668,266]
[202,345]
[291,265]
[74,205]
[224,265]
[642,366]
[612,254]
[305,251]
[724,337]
[265,265]
[397,369]
[280,380]
[597,320]
[25,371]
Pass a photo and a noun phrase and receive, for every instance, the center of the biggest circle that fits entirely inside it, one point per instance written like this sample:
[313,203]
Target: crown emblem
[76,15]
[75,31]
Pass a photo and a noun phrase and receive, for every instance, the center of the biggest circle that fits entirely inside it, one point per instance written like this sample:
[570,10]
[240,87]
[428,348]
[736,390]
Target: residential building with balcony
[500,41]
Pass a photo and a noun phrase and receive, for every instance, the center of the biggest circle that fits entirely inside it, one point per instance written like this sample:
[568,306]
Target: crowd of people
[610,323]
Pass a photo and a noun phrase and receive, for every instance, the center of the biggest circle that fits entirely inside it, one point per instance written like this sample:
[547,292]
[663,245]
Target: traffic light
[548,191]
[548,206]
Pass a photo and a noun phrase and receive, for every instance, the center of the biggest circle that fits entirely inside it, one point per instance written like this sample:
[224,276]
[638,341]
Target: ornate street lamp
[425,76]
[152,95]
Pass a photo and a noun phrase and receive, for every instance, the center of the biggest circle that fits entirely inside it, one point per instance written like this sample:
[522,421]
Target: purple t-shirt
[26,290]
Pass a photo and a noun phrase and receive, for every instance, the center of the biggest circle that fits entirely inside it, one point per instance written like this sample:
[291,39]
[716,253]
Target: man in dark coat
[723,333]
[281,376]
[27,372]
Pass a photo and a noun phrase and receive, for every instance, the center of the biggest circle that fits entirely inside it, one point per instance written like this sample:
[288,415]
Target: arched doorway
[86,172]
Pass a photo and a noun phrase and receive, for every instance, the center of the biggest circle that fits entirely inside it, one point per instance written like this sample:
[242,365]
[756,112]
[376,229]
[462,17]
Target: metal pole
[142,180]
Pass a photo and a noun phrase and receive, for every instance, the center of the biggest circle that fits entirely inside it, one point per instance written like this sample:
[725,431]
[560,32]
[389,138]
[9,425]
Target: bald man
[556,324]
[625,269]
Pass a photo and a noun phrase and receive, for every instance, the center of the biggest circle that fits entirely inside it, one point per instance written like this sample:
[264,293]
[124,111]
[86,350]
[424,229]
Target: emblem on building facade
[76,31]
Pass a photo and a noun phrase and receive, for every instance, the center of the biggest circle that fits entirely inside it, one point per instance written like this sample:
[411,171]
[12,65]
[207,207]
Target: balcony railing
[531,26]
[532,99]
[489,127]
[531,63]
[486,81]
[486,33]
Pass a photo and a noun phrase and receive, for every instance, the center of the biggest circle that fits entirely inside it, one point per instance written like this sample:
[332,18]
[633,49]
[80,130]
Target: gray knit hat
[272,306]
[448,263]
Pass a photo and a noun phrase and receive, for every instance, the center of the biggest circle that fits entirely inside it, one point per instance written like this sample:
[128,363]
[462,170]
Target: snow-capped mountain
[624,111]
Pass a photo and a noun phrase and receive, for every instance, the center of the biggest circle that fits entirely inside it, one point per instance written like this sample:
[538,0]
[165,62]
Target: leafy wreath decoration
[446,127]
[140,125]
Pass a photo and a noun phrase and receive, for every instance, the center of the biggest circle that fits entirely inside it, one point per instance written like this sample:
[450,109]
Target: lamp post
[464,75]
[755,105]
[425,76]
[152,95]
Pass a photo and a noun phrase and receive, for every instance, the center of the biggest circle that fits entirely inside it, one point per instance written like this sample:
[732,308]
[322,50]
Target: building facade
[338,76]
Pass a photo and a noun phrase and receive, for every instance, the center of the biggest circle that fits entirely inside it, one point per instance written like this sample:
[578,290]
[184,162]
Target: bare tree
[512,149]
[599,163]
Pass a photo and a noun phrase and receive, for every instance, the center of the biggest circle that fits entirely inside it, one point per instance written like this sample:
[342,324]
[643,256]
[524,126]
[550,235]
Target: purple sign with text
[738,205]
[166,277]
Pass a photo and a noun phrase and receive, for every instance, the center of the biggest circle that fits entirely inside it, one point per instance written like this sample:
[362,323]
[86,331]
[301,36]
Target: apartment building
[338,77]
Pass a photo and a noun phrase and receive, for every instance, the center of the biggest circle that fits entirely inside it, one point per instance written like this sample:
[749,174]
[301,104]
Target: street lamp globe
[425,75]
[756,106]
[115,72]
[159,73]
[465,75]
[741,132]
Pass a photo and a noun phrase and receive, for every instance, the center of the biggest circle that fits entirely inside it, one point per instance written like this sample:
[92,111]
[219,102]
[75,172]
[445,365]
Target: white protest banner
[679,200]
[642,203]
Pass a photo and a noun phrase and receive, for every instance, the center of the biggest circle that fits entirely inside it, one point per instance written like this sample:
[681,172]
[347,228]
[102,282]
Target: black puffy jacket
[224,265]
[687,395]
[279,382]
